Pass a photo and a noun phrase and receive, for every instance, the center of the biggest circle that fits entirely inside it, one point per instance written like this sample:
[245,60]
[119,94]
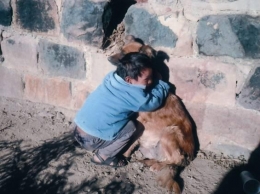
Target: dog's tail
[167,179]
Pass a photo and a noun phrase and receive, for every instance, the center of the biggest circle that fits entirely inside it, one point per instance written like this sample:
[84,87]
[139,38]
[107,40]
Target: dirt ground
[38,155]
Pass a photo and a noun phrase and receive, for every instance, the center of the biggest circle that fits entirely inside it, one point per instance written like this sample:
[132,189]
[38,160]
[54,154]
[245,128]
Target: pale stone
[181,27]
[219,127]
[80,91]
[20,52]
[196,9]
[100,66]
[11,83]
[207,81]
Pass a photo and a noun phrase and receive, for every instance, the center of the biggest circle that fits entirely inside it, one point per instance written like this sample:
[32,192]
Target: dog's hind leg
[167,180]
[167,174]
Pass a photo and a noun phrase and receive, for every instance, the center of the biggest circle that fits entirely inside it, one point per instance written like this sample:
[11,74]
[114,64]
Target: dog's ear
[129,48]
[114,59]
[149,51]
[132,47]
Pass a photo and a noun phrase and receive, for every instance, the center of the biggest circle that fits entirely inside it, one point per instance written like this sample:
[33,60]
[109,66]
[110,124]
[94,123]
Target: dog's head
[132,44]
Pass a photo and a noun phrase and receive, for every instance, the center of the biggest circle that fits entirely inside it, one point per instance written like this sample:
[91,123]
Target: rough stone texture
[53,91]
[203,81]
[162,7]
[196,9]
[242,73]
[181,27]
[80,91]
[20,52]
[140,23]
[216,38]
[11,83]
[82,20]
[37,15]
[232,131]
[250,93]
[247,29]
[100,67]
[6,12]
[61,60]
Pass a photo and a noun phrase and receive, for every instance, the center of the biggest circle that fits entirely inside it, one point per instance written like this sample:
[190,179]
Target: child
[104,123]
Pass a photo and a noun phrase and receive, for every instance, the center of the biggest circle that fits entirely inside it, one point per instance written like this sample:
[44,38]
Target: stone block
[181,27]
[6,12]
[230,130]
[100,66]
[144,24]
[58,92]
[247,29]
[11,83]
[250,93]
[61,60]
[35,88]
[215,37]
[20,52]
[242,73]
[53,91]
[196,9]
[38,15]
[82,21]
[80,91]
[233,126]
[203,81]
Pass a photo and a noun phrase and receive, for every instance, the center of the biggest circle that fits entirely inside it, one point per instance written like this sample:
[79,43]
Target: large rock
[11,83]
[232,131]
[203,81]
[82,21]
[181,27]
[37,15]
[5,12]
[250,93]
[61,60]
[215,37]
[146,26]
[197,9]
[247,29]
[20,52]
[55,91]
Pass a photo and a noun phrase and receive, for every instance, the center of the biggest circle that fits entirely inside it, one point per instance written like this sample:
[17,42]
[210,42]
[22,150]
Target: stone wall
[55,52]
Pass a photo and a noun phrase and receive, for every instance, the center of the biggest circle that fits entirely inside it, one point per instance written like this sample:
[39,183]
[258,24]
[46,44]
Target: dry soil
[38,155]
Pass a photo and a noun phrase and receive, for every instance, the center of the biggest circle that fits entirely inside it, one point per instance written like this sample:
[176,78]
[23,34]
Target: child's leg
[87,141]
[111,149]
[106,149]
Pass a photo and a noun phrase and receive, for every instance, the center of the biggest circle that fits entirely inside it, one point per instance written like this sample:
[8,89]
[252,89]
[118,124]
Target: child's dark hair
[132,65]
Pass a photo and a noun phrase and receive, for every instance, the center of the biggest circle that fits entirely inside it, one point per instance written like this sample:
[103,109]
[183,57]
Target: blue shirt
[107,109]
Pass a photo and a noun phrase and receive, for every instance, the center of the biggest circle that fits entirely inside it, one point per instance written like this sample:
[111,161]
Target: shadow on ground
[27,170]
[232,183]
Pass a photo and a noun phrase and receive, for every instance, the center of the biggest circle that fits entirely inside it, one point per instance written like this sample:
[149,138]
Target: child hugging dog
[104,124]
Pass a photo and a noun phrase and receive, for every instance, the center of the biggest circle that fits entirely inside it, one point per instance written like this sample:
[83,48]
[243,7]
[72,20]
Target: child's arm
[155,97]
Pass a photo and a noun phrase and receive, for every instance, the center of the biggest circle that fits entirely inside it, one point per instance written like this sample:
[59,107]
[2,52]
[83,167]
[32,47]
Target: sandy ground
[38,155]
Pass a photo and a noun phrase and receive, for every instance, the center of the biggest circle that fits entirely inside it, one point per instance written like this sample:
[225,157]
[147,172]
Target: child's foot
[115,162]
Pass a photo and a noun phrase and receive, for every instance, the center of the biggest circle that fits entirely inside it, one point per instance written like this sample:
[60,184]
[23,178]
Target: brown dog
[167,140]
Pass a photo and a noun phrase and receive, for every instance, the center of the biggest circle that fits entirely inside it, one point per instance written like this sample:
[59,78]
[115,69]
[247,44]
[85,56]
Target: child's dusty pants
[106,148]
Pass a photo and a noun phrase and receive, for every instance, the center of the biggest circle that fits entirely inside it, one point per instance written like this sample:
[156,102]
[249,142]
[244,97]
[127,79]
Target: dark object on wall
[6,13]
[33,15]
